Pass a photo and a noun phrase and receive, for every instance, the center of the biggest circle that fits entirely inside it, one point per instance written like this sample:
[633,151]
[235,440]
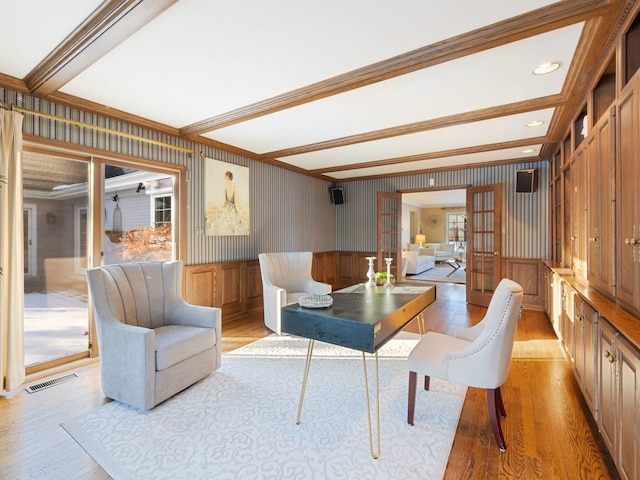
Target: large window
[457,227]
[138,215]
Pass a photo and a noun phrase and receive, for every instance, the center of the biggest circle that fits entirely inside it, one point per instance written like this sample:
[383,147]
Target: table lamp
[420,238]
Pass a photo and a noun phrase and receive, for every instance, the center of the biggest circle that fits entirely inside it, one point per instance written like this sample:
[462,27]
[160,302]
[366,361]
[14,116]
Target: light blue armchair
[152,343]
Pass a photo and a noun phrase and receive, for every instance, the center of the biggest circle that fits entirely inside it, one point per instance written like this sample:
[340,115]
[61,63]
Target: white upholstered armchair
[286,276]
[478,356]
[152,343]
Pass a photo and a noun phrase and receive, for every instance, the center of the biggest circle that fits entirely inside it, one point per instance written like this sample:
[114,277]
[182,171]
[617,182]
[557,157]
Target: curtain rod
[96,127]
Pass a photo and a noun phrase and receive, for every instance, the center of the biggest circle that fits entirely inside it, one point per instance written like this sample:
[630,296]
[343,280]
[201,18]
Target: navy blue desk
[362,318]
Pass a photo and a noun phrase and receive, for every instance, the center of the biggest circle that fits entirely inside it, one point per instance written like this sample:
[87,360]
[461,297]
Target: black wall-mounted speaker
[337,195]
[527,180]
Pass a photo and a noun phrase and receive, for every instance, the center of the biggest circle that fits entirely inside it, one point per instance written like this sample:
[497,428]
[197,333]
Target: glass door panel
[389,226]
[55,289]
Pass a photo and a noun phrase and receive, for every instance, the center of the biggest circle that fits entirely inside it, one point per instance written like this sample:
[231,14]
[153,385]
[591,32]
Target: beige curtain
[11,252]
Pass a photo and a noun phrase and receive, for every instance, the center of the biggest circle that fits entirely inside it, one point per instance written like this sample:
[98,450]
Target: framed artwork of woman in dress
[226,198]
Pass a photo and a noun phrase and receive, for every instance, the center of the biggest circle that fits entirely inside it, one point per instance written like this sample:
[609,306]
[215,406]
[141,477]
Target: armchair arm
[180,312]
[127,357]
[274,299]
[412,259]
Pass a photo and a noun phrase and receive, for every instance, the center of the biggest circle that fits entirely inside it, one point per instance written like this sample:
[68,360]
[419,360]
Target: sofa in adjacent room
[441,251]
[418,259]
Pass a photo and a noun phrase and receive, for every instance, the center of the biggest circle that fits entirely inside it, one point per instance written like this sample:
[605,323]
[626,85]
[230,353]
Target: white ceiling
[195,60]
[438,198]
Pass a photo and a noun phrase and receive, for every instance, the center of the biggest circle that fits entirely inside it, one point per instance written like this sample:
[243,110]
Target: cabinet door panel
[628,157]
[629,411]
[607,386]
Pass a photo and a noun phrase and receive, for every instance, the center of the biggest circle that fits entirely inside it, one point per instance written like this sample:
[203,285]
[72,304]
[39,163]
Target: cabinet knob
[630,241]
[607,353]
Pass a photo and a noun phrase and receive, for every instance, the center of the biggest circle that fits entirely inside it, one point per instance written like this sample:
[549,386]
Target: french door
[484,265]
[389,227]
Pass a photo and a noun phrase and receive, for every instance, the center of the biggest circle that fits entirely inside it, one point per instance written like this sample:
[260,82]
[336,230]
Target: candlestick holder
[371,274]
[388,282]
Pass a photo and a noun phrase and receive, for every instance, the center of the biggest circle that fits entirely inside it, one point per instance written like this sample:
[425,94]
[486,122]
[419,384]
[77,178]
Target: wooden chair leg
[500,403]
[411,406]
[492,402]
[426,382]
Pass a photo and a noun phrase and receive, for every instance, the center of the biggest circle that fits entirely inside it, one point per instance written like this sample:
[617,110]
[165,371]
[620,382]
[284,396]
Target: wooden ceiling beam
[515,108]
[539,21]
[433,155]
[105,28]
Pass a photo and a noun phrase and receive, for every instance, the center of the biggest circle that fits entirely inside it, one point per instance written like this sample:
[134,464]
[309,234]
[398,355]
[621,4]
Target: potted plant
[381,278]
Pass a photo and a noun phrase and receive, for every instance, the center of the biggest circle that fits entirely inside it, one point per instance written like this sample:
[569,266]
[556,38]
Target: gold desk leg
[374,453]
[420,320]
[304,380]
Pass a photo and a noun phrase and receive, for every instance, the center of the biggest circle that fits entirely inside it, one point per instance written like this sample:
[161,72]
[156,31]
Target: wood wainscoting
[236,286]
[528,272]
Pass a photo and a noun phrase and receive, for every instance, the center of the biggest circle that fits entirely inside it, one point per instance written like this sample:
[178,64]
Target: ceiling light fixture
[535,123]
[529,150]
[547,68]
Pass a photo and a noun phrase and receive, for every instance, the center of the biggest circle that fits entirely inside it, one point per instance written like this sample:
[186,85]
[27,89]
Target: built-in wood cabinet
[585,344]
[601,205]
[567,330]
[602,340]
[619,403]
[628,455]
[628,204]
[596,172]
[579,211]
[607,410]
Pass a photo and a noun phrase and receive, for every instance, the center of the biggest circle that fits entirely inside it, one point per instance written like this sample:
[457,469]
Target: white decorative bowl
[312,300]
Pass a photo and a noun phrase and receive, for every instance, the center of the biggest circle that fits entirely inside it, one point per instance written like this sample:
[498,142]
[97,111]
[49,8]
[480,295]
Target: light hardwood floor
[548,431]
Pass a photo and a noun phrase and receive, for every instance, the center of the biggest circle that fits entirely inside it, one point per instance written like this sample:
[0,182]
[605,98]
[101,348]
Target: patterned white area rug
[442,272]
[239,423]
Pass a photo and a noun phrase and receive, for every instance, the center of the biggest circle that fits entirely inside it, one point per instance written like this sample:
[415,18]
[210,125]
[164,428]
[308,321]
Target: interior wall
[435,228]
[410,223]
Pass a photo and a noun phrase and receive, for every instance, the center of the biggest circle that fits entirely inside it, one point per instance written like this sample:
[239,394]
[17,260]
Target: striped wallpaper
[525,217]
[290,211]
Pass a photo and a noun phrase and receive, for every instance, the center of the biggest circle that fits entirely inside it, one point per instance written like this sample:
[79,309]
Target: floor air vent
[50,383]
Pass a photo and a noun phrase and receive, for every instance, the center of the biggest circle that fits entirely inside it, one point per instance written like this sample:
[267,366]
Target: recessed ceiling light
[529,150]
[535,123]
[547,68]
